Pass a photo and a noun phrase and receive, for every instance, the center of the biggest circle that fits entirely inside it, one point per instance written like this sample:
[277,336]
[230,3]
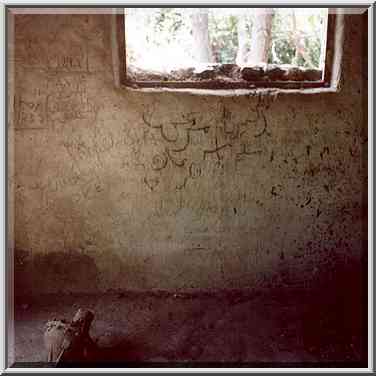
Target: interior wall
[119,189]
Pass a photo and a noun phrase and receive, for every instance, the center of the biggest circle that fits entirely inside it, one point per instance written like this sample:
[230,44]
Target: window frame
[215,84]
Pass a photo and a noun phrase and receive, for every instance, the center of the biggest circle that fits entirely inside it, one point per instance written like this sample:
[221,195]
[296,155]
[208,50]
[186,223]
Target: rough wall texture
[118,189]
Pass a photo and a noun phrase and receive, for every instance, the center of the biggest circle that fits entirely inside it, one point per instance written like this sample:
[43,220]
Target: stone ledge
[229,73]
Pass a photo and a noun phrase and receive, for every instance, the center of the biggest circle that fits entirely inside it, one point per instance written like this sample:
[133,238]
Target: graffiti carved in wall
[197,140]
[30,111]
[69,100]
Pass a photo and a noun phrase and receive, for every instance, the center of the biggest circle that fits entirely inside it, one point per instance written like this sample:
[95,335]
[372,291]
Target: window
[220,48]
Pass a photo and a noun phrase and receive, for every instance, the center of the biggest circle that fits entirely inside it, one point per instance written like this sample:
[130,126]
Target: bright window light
[165,40]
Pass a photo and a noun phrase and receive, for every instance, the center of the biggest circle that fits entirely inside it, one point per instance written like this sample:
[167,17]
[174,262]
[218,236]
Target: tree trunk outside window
[299,43]
[200,34]
[242,52]
[261,36]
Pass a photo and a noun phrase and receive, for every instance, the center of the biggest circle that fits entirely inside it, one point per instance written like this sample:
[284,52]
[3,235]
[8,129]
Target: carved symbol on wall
[29,114]
[265,128]
[195,170]
[72,57]
[216,151]
[307,202]
[326,151]
[151,183]
[245,152]
[231,129]
[159,162]
[75,107]
[185,146]
[181,186]
[165,134]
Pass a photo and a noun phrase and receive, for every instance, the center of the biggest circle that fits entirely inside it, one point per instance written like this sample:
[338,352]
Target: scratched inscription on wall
[30,112]
[57,45]
[72,58]
[54,91]
[188,145]
[57,100]
[69,100]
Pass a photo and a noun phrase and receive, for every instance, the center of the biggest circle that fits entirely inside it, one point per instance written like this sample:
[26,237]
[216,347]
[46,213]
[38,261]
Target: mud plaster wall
[115,189]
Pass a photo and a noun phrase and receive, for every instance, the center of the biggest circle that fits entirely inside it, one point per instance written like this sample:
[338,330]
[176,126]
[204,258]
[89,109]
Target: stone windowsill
[227,73]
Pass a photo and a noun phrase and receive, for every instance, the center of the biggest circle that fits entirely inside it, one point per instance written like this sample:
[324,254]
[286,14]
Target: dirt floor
[238,328]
